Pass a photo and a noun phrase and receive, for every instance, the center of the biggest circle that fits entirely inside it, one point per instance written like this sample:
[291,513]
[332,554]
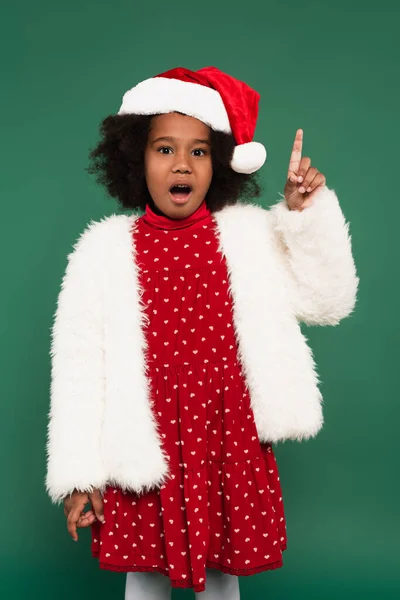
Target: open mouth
[180,193]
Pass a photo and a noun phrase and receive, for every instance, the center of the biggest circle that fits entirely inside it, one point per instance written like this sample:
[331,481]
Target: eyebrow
[173,139]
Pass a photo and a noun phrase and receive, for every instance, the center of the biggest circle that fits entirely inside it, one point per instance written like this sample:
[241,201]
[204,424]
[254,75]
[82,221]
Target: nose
[181,163]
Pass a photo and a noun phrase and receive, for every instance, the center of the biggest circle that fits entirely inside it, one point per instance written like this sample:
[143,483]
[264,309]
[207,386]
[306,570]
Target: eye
[200,150]
[161,150]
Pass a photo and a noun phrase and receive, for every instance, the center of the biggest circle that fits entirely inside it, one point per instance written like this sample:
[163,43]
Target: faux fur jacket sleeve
[77,376]
[315,251]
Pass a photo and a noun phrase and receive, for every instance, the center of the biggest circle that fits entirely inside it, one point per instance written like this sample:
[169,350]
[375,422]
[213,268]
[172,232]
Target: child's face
[178,150]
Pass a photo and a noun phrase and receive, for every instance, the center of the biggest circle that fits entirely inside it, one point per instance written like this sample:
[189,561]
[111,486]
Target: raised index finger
[295,157]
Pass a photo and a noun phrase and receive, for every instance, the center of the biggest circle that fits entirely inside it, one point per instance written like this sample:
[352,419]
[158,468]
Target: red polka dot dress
[222,506]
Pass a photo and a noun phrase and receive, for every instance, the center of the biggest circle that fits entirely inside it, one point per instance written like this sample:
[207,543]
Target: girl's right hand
[74,506]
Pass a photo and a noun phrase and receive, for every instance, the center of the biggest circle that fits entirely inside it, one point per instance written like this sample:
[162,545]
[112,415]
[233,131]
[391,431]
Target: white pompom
[248,157]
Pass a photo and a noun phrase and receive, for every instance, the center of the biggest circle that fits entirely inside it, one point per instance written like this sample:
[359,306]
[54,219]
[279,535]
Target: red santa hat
[215,98]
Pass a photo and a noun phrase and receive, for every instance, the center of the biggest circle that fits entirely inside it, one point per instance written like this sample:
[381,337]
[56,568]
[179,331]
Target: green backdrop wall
[330,68]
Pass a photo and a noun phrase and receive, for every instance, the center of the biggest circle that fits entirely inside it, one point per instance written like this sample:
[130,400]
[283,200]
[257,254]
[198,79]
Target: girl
[177,355]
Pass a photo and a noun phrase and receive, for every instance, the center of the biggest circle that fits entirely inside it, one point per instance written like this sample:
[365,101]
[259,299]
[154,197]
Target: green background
[329,68]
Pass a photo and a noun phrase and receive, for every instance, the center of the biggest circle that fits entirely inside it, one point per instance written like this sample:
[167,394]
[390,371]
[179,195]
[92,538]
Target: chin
[181,211]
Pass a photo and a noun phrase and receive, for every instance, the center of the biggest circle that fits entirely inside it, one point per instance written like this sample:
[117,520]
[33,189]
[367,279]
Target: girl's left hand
[304,181]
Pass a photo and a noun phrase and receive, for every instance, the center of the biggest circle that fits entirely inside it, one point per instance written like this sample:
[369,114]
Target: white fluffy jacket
[284,267]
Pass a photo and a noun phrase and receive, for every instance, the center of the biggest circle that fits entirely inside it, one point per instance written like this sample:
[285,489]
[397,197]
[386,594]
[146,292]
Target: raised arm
[314,244]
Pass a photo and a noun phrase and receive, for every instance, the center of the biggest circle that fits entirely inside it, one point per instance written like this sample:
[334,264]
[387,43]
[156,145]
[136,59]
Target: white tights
[155,586]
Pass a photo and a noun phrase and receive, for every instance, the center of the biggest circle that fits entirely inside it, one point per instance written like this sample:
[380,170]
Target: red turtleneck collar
[199,216]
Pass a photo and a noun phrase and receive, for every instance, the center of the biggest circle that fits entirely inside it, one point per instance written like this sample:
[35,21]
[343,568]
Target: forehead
[178,125]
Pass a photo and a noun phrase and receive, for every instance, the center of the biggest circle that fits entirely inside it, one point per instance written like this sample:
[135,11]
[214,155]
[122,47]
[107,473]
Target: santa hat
[215,98]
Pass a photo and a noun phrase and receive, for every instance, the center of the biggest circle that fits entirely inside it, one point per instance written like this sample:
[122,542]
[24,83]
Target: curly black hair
[118,164]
